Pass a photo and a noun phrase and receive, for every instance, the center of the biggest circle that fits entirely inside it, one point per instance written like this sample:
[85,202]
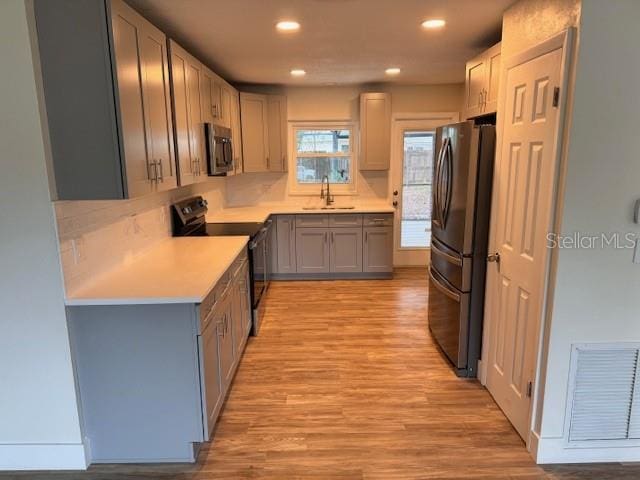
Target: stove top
[215,229]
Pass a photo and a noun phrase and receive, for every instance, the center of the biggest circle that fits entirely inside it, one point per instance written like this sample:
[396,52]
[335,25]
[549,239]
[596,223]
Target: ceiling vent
[605,393]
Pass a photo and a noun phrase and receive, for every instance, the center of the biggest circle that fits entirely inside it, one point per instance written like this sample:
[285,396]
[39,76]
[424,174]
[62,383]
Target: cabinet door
[378,249]
[375,131]
[196,123]
[474,85]
[312,250]
[225,341]
[157,101]
[207,96]
[225,105]
[346,249]
[236,133]
[277,112]
[253,114]
[126,31]
[211,375]
[492,80]
[186,158]
[286,243]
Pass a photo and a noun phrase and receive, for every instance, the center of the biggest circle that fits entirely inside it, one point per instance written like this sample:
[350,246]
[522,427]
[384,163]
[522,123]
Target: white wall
[39,425]
[596,296]
[338,103]
[96,236]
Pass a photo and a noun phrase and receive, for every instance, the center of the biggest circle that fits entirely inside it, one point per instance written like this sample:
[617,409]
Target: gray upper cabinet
[106,88]
[255,133]
[346,249]
[378,249]
[285,244]
[188,82]
[482,81]
[277,115]
[375,131]
[312,250]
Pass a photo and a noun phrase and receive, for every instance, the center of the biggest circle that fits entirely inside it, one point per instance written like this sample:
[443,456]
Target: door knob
[495,257]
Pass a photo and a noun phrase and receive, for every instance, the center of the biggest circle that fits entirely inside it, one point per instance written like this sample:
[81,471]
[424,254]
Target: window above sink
[319,149]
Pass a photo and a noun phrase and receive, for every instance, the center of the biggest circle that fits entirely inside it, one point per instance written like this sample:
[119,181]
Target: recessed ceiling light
[433,23]
[288,26]
[392,71]
[298,72]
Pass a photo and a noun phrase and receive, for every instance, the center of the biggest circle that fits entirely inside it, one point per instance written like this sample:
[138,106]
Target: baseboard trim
[43,456]
[332,276]
[556,450]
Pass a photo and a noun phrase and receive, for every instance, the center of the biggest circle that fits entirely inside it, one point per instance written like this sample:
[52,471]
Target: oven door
[259,263]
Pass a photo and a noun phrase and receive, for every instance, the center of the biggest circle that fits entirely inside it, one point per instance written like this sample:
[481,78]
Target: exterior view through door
[413,156]
[524,192]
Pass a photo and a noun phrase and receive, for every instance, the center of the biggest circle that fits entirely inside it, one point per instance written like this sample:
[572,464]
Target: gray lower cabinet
[312,250]
[378,249]
[224,323]
[286,243]
[334,245]
[210,374]
[346,250]
[152,378]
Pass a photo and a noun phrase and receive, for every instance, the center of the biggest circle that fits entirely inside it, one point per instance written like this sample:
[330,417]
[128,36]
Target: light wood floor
[344,382]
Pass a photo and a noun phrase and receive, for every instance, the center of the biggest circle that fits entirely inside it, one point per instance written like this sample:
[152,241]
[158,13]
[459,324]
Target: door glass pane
[417,166]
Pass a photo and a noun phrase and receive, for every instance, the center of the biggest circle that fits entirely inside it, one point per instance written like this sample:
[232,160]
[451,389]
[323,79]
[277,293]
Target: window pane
[416,189]
[323,141]
[312,169]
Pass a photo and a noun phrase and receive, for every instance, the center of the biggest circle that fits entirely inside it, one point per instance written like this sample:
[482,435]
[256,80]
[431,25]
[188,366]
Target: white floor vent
[605,400]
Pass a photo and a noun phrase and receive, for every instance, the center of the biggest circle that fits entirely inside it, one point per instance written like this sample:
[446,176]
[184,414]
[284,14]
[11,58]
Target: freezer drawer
[454,267]
[448,318]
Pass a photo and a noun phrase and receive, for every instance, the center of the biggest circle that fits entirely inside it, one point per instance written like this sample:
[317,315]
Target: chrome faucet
[328,198]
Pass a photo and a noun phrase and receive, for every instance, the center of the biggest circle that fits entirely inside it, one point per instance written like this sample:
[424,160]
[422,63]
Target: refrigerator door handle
[451,258]
[436,191]
[443,288]
[447,162]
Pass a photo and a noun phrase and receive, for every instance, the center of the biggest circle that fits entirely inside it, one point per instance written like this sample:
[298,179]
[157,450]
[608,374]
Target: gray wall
[39,424]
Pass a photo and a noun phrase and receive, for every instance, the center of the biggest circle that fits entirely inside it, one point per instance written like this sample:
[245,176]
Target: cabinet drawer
[378,219]
[313,220]
[345,220]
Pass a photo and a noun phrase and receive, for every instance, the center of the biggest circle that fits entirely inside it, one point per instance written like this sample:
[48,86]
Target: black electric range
[188,218]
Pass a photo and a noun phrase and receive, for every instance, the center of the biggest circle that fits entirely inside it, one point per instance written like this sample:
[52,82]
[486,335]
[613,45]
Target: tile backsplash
[98,235]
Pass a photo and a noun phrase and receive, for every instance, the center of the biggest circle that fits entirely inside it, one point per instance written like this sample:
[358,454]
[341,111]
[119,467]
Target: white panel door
[525,180]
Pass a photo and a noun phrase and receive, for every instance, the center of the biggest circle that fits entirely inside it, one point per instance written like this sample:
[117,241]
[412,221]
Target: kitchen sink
[328,208]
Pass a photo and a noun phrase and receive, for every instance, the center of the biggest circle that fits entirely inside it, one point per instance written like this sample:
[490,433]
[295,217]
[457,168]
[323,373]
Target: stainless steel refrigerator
[461,204]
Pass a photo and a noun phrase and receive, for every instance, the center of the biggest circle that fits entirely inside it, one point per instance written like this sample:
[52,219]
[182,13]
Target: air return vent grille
[606,394]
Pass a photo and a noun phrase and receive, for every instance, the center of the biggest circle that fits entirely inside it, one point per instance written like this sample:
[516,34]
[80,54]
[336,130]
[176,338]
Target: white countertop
[260,213]
[177,270]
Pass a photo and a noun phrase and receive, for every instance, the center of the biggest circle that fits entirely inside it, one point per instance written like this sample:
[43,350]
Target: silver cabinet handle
[326,237]
[267,163]
[284,162]
[480,98]
[161,171]
[366,237]
[333,238]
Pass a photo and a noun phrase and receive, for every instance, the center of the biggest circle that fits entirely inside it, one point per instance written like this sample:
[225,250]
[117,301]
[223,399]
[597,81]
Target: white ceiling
[340,42]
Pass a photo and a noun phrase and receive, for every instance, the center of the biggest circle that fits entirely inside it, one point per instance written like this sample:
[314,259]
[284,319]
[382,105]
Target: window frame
[312,189]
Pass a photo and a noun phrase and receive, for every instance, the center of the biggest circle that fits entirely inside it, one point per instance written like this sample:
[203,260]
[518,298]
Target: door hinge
[529,389]
[556,96]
